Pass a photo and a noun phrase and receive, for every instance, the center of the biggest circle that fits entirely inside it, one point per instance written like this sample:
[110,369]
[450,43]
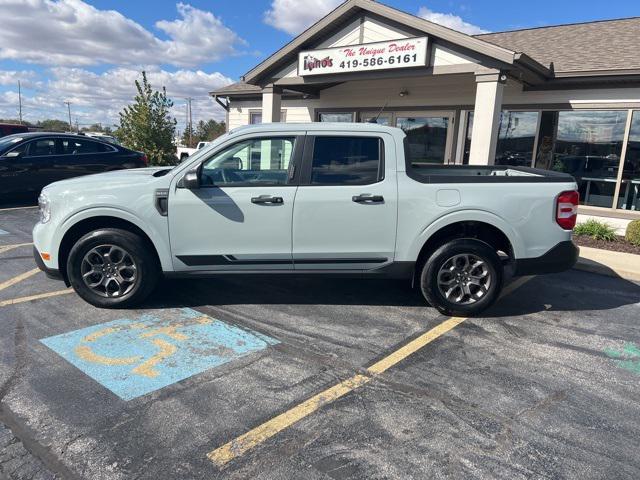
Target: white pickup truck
[308,199]
[185,152]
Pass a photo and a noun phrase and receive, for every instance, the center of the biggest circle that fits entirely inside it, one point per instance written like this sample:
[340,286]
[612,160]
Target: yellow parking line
[31,298]
[7,248]
[18,278]
[237,447]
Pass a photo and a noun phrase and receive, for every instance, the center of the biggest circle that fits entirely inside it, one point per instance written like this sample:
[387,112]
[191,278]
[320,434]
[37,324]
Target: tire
[440,277]
[128,276]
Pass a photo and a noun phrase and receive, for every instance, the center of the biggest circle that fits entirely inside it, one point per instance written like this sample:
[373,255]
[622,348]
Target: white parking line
[7,248]
[16,208]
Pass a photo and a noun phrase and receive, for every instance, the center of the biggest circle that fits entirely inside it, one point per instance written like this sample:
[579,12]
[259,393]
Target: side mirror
[191,180]
[13,154]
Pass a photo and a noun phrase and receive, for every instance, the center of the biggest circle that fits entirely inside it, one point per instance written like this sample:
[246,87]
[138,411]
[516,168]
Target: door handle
[267,199]
[366,198]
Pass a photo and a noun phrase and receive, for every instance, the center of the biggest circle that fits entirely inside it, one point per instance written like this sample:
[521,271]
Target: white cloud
[72,32]
[293,16]
[98,97]
[450,20]
[11,77]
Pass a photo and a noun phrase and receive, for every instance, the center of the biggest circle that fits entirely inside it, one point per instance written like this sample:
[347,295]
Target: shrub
[597,230]
[633,233]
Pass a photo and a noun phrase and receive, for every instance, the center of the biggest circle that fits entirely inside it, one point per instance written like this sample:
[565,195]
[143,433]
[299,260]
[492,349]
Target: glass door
[430,136]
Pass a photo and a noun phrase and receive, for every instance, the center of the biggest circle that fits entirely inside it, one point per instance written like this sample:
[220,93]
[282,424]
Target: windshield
[9,141]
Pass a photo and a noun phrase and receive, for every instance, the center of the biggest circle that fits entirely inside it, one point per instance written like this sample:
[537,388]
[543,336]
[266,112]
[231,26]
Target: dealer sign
[404,53]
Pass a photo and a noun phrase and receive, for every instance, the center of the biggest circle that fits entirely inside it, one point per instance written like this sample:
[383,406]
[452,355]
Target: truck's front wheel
[463,277]
[112,268]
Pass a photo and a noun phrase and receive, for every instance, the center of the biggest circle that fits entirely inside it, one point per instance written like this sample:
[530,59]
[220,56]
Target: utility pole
[70,122]
[189,120]
[20,101]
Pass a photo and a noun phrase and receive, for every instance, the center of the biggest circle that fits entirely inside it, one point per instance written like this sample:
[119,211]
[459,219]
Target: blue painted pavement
[132,357]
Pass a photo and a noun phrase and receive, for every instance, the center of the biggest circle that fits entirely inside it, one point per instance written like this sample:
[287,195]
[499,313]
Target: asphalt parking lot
[316,379]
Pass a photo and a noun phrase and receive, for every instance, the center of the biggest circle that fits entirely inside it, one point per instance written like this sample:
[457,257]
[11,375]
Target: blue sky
[89,52]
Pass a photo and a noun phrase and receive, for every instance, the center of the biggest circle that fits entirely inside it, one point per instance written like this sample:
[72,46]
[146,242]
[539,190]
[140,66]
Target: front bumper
[560,258]
[52,273]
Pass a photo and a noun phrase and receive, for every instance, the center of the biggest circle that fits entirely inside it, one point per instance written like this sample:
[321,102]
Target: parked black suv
[29,161]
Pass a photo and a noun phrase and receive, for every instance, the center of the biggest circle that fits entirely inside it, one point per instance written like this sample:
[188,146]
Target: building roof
[350,9]
[606,47]
[582,47]
[238,88]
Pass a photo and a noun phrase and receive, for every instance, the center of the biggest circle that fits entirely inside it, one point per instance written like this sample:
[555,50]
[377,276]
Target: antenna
[375,120]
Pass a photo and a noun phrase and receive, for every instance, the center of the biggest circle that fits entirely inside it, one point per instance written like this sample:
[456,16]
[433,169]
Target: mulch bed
[620,245]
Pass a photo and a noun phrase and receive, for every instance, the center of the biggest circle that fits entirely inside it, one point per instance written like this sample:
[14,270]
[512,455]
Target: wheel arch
[480,225]
[83,226]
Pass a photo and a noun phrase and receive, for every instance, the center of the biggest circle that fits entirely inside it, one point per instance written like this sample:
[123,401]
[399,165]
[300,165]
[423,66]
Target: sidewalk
[613,264]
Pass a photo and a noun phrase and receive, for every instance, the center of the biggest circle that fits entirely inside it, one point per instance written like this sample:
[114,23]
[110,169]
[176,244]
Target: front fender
[467,216]
[156,231]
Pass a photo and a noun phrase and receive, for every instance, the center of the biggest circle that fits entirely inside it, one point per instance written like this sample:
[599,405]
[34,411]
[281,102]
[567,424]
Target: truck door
[345,211]
[240,217]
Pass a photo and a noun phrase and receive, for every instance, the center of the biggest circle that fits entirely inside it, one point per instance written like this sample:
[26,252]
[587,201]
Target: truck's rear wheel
[463,277]
[112,268]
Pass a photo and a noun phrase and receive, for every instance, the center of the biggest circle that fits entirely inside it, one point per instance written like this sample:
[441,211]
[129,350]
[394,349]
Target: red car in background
[9,129]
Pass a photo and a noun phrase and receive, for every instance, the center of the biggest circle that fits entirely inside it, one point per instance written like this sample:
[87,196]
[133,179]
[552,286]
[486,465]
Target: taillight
[145,159]
[567,209]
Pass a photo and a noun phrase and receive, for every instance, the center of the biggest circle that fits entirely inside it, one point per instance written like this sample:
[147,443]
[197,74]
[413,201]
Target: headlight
[45,208]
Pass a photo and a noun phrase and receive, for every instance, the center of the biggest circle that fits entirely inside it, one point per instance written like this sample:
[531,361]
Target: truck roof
[317,126]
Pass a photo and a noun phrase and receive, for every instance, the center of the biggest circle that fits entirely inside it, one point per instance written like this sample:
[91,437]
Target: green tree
[209,130]
[53,125]
[98,128]
[189,138]
[146,125]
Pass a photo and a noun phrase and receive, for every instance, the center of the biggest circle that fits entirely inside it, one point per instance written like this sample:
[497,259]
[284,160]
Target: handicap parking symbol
[132,357]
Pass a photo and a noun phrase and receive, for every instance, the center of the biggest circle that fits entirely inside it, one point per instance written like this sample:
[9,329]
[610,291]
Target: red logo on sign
[311,62]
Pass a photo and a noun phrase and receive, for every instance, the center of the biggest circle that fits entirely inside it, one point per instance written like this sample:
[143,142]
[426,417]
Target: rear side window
[42,148]
[72,146]
[346,161]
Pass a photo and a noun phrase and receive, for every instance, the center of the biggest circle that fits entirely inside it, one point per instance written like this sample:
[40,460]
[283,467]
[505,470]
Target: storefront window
[516,138]
[587,144]
[427,137]
[629,198]
[336,117]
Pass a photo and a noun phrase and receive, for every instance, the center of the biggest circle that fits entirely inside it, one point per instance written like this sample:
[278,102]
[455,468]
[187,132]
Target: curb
[612,264]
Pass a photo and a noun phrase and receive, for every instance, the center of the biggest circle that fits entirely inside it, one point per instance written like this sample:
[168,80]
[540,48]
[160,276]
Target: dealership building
[564,97]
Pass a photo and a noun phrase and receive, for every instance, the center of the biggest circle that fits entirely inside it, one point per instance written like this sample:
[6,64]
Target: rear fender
[467,216]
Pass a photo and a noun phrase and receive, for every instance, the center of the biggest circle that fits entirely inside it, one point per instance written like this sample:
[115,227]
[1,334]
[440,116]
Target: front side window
[346,161]
[16,152]
[257,161]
